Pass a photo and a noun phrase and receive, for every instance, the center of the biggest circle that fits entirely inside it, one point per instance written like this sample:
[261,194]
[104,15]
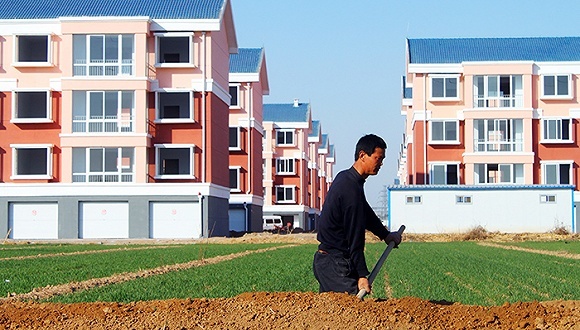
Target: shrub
[476,234]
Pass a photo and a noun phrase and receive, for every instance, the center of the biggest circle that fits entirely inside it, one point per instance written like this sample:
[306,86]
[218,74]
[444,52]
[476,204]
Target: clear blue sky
[347,57]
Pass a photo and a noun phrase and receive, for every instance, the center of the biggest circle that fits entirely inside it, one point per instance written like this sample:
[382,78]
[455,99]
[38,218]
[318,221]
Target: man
[339,264]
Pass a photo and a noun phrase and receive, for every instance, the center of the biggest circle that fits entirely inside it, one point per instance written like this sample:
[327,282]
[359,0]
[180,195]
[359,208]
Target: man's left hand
[395,237]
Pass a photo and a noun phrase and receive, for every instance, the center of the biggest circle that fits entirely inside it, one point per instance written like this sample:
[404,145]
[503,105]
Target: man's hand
[363,283]
[393,236]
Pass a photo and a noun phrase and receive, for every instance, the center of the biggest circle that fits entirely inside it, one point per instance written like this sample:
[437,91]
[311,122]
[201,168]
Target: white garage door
[175,220]
[104,220]
[34,220]
[237,220]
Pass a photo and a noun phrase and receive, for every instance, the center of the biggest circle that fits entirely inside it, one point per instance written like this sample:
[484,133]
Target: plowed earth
[289,310]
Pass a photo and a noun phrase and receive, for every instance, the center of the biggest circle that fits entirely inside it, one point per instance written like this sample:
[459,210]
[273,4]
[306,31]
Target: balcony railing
[481,145]
[102,68]
[505,101]
[103,177]
[103,124]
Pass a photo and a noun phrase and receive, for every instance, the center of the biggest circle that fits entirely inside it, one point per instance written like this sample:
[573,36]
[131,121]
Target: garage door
[33,220]
[237,220]
[104,220]
[175,220]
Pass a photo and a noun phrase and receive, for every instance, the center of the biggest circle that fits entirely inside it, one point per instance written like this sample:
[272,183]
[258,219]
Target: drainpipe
[301,169]
[246,227]
[424,129]
[250,110]
[203,109]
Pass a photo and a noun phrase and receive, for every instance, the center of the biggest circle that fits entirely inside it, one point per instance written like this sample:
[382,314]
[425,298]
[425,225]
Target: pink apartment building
[296,167]
[486,113]
[248,85]
[114,118]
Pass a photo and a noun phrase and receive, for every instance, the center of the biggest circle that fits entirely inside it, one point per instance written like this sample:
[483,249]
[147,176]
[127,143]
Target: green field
[462,272]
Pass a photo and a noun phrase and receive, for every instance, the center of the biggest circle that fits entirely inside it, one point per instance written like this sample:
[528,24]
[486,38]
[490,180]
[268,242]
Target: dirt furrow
[545,252]
[48,255]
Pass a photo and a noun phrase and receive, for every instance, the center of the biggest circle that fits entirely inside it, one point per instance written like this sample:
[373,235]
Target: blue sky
[347,57]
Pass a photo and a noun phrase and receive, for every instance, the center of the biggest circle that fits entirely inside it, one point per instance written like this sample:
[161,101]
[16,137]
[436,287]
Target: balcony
[103,177]
[504,101]
[103,68]
[480,145]
[103,124]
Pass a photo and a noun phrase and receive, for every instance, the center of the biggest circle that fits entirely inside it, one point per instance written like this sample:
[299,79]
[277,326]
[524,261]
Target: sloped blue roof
[538,49]
[407,91]
[324,142]
[158,9]
[287,112]
[247,60]
[482,187]
[315,128]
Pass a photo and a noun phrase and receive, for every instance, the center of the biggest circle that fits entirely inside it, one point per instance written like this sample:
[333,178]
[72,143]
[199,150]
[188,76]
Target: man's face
[373,163]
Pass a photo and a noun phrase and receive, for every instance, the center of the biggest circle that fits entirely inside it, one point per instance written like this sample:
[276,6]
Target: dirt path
[545,252]
[48,255]
[51,291]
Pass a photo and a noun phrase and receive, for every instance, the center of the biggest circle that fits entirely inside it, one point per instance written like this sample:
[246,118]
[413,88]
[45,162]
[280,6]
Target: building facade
[492,111]
[114,116]
[248,85]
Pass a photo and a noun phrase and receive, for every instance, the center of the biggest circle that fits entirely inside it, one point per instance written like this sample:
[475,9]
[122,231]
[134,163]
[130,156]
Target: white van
[271,222]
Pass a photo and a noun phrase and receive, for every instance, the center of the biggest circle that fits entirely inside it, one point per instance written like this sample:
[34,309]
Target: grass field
[463,272]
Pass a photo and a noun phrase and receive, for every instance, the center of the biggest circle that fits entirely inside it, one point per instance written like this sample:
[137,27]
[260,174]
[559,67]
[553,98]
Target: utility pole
[382,210]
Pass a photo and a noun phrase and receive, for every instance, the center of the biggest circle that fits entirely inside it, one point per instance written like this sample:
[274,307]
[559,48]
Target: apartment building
[286,157]
[491,112]
[248,85]
[113,118]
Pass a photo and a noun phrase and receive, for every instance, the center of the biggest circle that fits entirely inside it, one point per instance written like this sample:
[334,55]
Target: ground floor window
[499,173]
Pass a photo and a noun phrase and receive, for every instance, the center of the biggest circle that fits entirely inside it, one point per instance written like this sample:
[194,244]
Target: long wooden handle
[362,293]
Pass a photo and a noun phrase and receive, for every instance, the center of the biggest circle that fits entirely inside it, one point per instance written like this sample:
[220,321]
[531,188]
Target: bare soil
[296,310]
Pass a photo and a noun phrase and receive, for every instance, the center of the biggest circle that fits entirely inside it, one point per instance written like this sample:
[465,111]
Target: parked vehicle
[272,222]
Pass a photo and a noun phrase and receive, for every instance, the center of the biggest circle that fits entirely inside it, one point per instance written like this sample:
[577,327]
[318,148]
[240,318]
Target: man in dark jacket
[339,264]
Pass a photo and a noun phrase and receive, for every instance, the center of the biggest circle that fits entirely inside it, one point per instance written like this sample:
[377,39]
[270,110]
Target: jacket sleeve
[355,226]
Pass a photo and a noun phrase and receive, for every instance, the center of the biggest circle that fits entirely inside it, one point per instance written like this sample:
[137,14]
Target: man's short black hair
[368,144]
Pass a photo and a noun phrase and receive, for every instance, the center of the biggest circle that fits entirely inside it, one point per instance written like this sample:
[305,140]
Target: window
[174,49]
[235,178]
[32,50]
[285,194]
[462,199]
[499,173]
[444,131]
[31,161]
[498,91]
[556,130]
[556,86]
[103,111]
[444,87]
[174,161]
[175,106]
[103,164]
[285,137]
[499,135]
[103,55]
[31,106]
[235,94]
[446,174]
[413,199]
[235,138]
[285,166]
[548,199]
[557,173]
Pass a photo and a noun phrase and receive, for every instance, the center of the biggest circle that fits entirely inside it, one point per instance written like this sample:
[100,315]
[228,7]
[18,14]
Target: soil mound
[290,310]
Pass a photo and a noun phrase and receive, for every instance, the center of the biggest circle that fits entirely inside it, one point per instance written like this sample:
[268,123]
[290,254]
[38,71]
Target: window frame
[238,182]
[548,199]
[285,131]
[558,164]
[559,130]
[16,51]
[567,96]
[15,101]
[512,172]
[445,78]
[122,171]
[238,105]
[286,162]
[124,67]
[285,201]
[190,63]
[446,170]
[463,199]
[191,99]
[158,172]
[49,162]
[444,133]
[413,199]
[123,122]
[238,147]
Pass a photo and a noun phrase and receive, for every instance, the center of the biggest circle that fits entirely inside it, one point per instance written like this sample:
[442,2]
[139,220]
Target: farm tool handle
[362,293]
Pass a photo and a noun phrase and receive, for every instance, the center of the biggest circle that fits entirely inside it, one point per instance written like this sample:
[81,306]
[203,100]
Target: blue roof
[247,60]
[287,112]
[407,91]
[538,49]
[482,187]
[315,128]
[158,9]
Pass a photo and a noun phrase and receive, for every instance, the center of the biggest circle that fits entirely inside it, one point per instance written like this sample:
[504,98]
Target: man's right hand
[395,237]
